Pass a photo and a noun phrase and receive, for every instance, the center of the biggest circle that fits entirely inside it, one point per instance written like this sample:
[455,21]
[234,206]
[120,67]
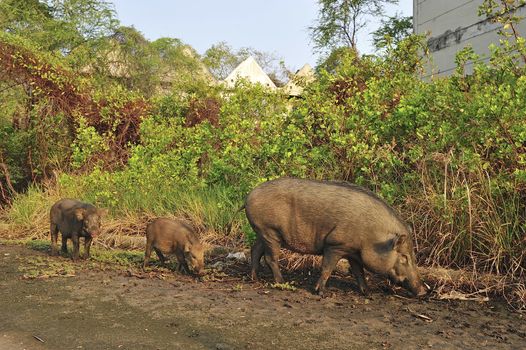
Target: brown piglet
[167,236]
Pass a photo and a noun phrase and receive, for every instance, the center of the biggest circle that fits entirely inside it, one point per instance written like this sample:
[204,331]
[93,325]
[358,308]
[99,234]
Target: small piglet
[167,236]
[74,219]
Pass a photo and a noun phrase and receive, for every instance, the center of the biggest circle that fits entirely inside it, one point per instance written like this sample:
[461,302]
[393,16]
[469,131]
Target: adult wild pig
[334,219]
[167,236]
[74,219]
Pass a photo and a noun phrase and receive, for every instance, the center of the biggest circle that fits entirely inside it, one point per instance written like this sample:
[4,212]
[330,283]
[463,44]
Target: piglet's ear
[79,213]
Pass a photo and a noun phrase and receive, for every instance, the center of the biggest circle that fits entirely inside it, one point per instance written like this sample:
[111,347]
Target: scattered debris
[421,316]
[130,273]
[456,295]
[424,317]
[38,338]
[219,265]
[240,256]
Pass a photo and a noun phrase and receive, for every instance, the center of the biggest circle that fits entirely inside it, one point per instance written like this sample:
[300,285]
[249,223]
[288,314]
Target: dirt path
[108,308]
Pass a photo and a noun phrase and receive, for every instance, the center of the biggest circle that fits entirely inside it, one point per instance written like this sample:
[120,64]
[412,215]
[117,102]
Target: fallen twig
[38,338]
[421,316]
[455,295]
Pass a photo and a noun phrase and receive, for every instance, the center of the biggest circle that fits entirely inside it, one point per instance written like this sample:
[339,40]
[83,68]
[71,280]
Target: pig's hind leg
[255,256]
[272,245]
[53,229]
[147,253]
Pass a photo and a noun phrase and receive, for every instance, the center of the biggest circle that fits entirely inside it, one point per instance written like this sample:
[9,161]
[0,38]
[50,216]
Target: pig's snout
[199,270]
[420,291]
[417,290]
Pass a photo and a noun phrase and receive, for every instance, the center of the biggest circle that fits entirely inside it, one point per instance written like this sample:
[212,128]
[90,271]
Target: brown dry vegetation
[127,232]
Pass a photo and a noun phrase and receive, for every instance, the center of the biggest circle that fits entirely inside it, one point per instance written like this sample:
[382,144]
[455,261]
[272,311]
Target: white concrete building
[249,69]
[302,77]
[452,25]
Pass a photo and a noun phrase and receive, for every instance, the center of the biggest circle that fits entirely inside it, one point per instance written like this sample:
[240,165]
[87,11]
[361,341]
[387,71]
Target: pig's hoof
[320,292]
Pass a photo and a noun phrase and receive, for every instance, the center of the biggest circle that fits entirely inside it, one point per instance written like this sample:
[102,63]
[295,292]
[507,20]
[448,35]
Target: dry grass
[125,232]
[445,283]
[465,222]
[468,235]
[470,285]
[128,233]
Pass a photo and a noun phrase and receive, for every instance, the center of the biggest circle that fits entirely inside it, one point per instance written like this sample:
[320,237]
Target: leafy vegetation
[393,29]
[449,153]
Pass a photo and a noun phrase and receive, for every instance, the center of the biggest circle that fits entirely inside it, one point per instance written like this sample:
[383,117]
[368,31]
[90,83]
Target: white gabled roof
[303,76]
[250,70]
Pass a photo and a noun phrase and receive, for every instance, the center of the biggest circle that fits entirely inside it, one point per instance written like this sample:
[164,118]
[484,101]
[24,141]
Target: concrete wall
[452,25]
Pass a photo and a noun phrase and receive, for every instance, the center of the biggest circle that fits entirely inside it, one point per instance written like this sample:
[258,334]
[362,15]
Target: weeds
[118,257]
[46,267]
[284,286]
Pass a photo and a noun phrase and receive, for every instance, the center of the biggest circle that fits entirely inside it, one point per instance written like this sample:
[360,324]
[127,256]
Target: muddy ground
[94,306]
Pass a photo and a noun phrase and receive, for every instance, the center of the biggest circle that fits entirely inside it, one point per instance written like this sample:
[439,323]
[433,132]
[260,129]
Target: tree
[221,60]
[393,30]
[59,25]
[75,29]
[177,63]
[334,59]
[339,21]
[28,16]
[130,59]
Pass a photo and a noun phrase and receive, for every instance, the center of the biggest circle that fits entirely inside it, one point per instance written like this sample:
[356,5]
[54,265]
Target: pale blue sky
[275,26]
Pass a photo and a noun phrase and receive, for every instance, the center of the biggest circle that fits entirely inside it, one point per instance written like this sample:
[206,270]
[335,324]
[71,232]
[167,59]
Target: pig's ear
[399,239]
[79,213]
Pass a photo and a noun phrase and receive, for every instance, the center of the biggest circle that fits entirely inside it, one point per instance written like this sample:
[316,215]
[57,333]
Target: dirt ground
[111,308]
